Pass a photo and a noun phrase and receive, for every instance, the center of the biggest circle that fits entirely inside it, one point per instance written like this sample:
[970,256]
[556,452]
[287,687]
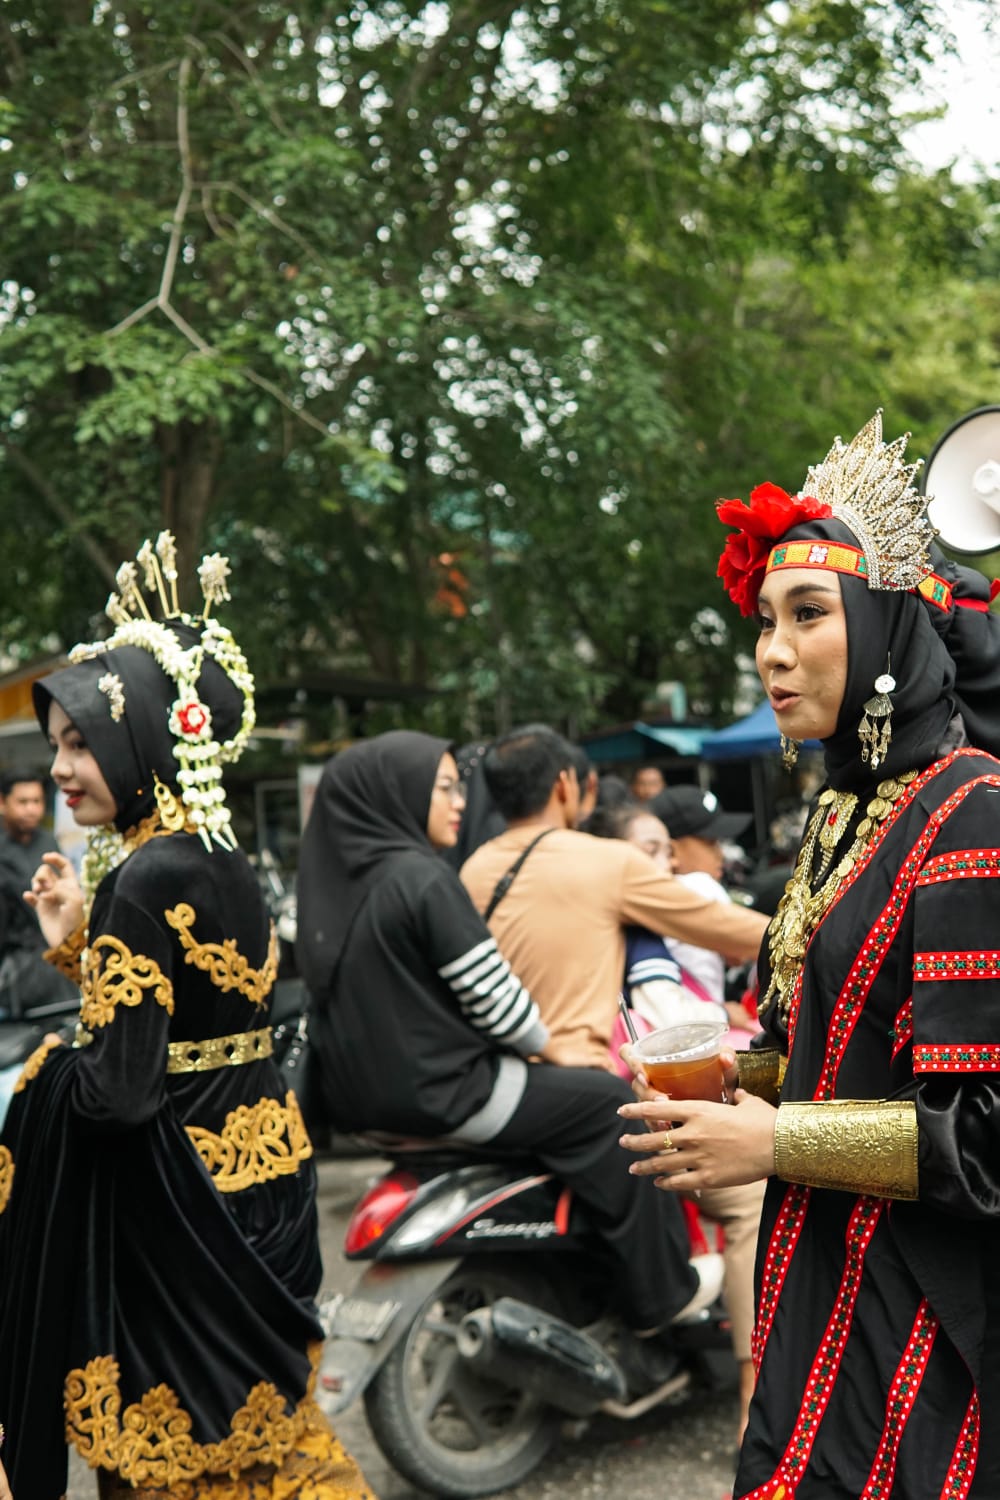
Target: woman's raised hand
[701,1144]
[56,898]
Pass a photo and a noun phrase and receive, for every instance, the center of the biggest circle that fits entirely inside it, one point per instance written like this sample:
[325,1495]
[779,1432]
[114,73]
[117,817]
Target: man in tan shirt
[561,926]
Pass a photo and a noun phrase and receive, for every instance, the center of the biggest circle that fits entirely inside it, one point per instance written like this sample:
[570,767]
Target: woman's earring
[875,729]
[789,752]
[172,813]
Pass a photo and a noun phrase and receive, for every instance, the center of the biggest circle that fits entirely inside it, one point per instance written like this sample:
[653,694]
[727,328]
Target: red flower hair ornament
[771,513]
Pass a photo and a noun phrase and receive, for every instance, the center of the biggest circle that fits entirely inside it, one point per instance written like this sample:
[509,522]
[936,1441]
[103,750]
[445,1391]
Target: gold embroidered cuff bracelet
[762,1072]
[66,955]
[852,1145]
[219,1051]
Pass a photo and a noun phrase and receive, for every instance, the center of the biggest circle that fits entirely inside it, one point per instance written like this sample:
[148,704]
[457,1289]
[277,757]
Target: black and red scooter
[481,1326]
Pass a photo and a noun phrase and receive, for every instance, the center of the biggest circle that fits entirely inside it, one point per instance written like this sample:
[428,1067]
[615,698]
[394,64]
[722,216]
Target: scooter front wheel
[440,1423]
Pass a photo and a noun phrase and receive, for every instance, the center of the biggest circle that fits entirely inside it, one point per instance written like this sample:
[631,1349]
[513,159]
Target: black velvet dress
[158,1244]
[878,1322]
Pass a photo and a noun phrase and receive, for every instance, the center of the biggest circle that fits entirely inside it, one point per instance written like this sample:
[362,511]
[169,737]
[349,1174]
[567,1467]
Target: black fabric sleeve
[119,1075]
[461,948]
[956,1010]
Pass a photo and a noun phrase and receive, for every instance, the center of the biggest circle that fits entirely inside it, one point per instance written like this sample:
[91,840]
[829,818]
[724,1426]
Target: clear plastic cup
[683,1061]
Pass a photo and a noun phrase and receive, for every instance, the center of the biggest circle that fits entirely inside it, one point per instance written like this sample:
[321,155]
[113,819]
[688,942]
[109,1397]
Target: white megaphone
[962,475]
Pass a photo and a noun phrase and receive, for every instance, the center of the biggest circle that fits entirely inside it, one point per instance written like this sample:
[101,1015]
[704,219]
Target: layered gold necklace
[814,885]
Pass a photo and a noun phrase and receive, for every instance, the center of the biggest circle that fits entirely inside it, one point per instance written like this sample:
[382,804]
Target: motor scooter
[482,1325]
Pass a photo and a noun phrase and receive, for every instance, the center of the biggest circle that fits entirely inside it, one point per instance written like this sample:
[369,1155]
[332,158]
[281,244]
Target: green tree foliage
[449,322]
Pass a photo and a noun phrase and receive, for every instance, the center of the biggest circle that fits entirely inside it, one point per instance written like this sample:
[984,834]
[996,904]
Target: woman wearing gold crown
[158,1244]
[874,1108]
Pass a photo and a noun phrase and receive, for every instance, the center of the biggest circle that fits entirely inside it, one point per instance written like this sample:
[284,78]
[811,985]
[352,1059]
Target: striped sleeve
[493,999]
[647,957]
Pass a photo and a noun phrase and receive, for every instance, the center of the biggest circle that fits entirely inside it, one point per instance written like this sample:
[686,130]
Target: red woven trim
[902,1394]
[867,964]
[961,864]
[962,1469]
[979,605]
[852,998]
[956,963]
[826,1366]
[936,590]
[780,1249]
[902,1029]
[836,557]
[956,1057]
[861,865]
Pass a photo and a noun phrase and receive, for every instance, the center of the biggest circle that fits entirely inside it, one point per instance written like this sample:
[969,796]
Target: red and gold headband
[837,557]
[864,484]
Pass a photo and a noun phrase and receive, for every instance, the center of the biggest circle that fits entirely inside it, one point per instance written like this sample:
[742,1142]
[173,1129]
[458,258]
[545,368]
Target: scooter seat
[387,1143]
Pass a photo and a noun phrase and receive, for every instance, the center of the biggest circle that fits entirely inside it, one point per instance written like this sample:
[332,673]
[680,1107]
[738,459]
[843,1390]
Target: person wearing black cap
[699,827]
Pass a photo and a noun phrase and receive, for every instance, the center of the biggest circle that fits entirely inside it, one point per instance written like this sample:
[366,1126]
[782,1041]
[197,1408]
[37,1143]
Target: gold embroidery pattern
[863,1146]
[258,1142]
[225,966]
[66,957]
[6,1176]
[762,1072]
[33,1066]
[317,1468]
[113,975]
[93,1401]
[150,1442]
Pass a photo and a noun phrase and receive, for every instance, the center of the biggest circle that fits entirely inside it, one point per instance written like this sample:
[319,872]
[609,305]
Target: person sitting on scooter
[421,1027]
[564,927]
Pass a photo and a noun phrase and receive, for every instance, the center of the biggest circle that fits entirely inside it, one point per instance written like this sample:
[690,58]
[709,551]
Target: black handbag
[293,1051]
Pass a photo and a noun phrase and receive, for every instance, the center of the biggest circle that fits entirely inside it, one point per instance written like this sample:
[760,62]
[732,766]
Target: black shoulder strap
[505,882]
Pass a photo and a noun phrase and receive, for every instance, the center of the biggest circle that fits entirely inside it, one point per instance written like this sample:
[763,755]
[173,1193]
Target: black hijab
[482,820]
[971,635]
[944,663]
[371,805]
[131,748]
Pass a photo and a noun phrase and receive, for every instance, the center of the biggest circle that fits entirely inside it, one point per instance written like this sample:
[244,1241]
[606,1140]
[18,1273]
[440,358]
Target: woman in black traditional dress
[158,1238]
[876,1342]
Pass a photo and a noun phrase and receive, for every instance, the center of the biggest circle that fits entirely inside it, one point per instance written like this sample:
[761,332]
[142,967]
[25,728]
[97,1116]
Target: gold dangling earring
[875,729]
[172,813]
[789,752]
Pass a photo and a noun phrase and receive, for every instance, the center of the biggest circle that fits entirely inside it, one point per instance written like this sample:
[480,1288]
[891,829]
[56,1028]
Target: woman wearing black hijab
[421,1028]
[877,1341]
[158,1241]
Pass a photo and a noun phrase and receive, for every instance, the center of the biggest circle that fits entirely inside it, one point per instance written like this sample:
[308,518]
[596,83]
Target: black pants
[566,1118]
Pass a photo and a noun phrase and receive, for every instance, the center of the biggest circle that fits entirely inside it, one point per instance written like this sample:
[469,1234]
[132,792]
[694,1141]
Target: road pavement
[685,1450]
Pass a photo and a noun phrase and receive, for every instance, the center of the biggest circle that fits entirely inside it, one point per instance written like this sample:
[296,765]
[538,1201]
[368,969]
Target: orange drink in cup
[683,1061]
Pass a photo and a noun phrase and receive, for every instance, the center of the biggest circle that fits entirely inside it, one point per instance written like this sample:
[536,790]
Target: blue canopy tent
[757,734]
[636,741]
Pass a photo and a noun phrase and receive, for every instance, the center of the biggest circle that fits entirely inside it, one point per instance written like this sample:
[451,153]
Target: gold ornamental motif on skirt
[113,975]
[225,966]
[33,1066]
[317,1468]
[151,1441]
[257,1143]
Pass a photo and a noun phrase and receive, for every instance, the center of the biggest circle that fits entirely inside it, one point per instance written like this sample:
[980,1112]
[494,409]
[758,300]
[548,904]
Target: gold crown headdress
[200,756]
[869,488]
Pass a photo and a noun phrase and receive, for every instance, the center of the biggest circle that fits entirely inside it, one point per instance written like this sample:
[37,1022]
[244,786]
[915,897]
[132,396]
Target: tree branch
[162,301]
[59,508]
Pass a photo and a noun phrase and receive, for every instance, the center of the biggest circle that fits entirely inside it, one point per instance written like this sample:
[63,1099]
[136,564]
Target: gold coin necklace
[813,887]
